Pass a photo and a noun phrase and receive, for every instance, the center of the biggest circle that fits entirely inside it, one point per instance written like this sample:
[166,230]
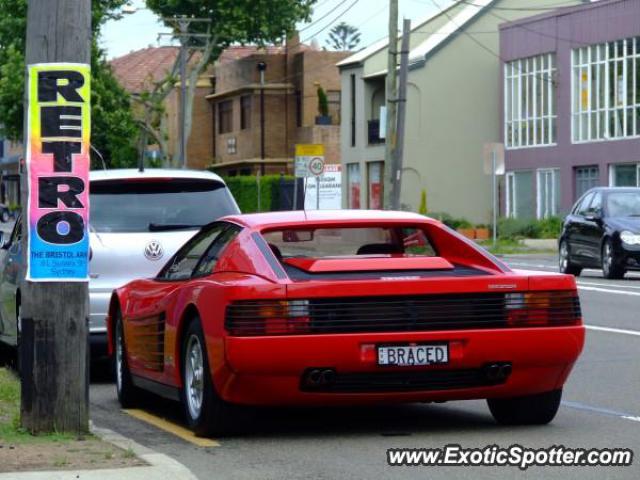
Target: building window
[225,116]
[353,185]
[519,195]
[333,97]
[298,108]
[586,179]
[530,102]
[606,91]
[548,192]
[374,183]
[626,175]
[245,112]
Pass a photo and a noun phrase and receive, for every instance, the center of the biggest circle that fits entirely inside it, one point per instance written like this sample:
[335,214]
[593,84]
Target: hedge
[244,188]
[514,228]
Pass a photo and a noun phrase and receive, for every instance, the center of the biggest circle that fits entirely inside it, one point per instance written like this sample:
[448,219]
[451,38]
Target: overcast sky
[140,29]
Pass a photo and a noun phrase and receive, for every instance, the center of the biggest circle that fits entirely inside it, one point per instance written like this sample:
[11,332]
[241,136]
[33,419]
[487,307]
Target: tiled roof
[234,53]
[136,71]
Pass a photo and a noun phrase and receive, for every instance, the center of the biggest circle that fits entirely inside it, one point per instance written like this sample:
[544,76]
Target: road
[601,408]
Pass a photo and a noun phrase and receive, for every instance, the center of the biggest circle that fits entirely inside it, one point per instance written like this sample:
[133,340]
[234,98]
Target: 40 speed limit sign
[316,166]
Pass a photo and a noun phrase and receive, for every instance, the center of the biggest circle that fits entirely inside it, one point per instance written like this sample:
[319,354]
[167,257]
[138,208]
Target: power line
[551,6]
[483,46]
[332,21]
[322,17]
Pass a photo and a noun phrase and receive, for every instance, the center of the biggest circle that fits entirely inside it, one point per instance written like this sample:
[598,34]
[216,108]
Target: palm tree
[343,37]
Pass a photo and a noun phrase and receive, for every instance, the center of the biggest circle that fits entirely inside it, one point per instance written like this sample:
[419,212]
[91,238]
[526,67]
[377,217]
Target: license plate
[410,355]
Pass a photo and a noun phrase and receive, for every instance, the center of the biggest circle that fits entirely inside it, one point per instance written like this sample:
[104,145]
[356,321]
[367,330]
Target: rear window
[338,242]
[157,205]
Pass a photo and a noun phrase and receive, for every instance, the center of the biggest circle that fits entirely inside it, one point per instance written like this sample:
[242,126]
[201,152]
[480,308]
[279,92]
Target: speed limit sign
[316,166]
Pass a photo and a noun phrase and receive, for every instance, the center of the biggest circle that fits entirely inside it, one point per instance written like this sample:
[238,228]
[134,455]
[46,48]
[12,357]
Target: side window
[596,203]
[584,205]
[183,263]
[210,258]
[16,234]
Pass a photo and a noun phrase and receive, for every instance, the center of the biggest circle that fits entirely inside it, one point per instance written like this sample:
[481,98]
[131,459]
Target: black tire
[214,416]
[18,329]
[612,269]
[4,215]
[537,409]
[564,260]
[129,395]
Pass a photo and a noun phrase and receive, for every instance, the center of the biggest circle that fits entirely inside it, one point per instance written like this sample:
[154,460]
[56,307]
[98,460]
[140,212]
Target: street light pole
[184,29]
[390,169]
[262,67]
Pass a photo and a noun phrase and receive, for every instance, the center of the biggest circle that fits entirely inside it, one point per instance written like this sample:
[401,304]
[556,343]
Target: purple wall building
[571,105]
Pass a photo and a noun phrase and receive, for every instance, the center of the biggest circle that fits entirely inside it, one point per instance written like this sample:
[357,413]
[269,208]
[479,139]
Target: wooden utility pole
[402,113]
[54,333]
[391,102]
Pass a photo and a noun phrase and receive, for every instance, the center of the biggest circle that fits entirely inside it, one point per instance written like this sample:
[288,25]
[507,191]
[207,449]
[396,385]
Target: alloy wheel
[194,376]
[564,257]
[119,354]
[607,259]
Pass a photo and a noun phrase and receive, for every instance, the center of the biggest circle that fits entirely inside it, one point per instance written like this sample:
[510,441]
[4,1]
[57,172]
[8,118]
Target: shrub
[323,103]
[452,222]
[245,190]
[516,228]
[422,209]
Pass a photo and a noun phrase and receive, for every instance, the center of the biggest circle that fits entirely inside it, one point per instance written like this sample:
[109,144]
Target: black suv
[602,231]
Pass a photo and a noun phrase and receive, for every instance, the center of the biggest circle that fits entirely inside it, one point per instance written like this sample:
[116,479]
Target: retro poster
[57,161]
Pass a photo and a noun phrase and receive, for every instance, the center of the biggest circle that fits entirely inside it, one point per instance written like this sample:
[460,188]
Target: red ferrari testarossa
[343,308]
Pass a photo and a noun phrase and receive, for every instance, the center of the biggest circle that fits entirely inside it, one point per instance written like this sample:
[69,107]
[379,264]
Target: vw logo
[153,250]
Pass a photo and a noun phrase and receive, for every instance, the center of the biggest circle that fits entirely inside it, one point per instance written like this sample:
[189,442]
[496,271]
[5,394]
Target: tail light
[539,309]
[268,318]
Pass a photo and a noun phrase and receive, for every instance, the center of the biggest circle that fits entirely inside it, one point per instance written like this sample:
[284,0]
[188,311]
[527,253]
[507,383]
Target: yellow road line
[171,427]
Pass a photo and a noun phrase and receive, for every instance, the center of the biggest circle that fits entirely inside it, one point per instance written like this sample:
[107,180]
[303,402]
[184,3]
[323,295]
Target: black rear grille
[405,381]
[441,312]
[405,313]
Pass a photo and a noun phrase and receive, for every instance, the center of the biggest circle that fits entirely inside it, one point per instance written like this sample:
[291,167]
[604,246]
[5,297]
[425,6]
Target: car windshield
[339,242]
[623,204]
[142,205]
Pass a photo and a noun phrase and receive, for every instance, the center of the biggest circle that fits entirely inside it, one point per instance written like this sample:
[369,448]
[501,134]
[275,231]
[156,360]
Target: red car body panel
[266,370]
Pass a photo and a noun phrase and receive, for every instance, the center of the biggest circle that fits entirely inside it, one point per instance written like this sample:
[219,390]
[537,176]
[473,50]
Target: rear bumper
[99,307]
[269,370]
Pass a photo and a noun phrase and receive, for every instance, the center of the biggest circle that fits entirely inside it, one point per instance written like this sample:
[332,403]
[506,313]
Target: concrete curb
[161,467]
[541,243]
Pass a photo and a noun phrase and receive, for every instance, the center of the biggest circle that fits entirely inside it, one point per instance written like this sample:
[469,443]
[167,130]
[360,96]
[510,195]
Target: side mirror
[594,216]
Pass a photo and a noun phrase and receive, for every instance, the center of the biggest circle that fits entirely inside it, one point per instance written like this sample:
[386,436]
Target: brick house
[248,138]
[137,71]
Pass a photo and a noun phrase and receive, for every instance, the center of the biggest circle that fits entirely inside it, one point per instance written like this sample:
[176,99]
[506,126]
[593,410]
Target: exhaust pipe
[498,372]
[319,377]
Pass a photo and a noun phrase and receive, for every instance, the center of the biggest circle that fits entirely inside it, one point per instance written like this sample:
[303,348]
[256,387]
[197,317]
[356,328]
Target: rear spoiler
[368,263]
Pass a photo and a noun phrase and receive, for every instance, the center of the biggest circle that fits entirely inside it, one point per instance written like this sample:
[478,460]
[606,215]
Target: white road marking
[615,285]
[608,290]
[613,330]
[601,411]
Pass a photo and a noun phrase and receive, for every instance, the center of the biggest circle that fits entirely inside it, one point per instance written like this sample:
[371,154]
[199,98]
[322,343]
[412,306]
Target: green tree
[343,37]
[257,22]
[113,127]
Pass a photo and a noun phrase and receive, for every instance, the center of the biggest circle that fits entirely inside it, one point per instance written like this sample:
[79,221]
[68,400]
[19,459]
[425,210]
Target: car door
[11,272]
[151,301]
[593,229]
[575,230]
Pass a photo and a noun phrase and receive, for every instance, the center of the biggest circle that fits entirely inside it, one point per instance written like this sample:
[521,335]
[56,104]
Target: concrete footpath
[161,467]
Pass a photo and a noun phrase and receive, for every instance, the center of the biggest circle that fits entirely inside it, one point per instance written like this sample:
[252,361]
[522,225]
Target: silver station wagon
[138,220]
